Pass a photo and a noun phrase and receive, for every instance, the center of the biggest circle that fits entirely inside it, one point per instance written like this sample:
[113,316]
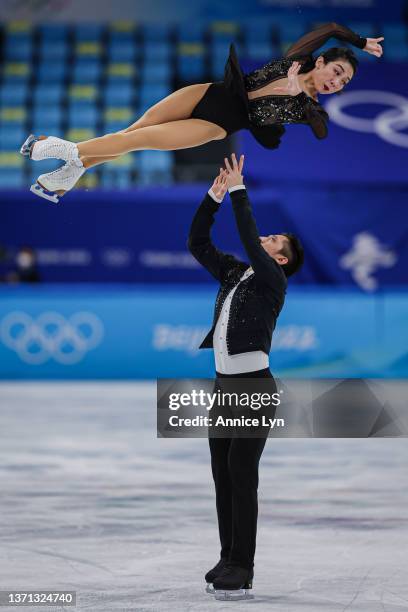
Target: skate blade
[235,595]
[51,196]
[28,144]
[209,588]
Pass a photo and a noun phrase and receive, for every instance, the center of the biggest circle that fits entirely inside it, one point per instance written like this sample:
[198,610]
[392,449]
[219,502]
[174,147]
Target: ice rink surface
[93,501]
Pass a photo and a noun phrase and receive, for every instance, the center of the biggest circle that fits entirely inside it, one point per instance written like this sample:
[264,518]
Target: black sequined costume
[258,300]
[226,102]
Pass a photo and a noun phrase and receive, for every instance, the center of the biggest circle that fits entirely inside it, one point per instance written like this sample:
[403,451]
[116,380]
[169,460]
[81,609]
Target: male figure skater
[247,306]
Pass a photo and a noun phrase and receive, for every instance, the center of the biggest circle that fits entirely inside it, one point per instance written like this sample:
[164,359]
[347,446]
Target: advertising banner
[101,333]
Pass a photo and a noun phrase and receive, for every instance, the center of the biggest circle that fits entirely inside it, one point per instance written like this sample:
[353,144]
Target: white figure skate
[53,185]
[49,147]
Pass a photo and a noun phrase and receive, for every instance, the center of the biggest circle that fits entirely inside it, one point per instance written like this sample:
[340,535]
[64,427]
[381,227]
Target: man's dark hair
[293,250]
[343,53]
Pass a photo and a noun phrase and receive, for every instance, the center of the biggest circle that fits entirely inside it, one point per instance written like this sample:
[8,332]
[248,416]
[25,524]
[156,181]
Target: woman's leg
[90,162]
[178,105]
[170,136]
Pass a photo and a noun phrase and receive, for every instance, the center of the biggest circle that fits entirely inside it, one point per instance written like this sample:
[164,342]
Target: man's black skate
[213,574]
[233,583]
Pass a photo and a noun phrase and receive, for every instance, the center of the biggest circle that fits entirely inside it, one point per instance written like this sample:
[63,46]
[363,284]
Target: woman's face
[333,76]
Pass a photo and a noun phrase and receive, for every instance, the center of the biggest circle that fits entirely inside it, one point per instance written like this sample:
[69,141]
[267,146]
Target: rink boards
[78,332]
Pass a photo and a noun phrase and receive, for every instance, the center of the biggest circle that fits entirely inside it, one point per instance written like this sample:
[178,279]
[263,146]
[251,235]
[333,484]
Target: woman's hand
[219,186]
[373,46]
[293,87]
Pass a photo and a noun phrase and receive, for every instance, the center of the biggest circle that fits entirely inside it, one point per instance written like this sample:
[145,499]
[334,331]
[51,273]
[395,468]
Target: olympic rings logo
[51,336]
[388,125]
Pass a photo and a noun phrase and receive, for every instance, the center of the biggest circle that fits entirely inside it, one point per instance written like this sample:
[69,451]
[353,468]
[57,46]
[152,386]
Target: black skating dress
[226,102]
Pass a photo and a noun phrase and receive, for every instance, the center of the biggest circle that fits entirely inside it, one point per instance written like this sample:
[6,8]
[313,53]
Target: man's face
[333,76]
[273,245]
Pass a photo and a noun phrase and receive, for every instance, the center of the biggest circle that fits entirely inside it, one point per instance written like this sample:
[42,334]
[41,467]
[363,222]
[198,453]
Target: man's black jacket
[259,299]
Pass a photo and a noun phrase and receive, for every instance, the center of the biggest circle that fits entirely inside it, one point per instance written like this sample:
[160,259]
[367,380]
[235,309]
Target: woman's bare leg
[178,105]
[90,162]
[170,136]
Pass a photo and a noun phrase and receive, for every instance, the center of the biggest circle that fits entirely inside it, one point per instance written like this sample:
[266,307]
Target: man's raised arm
[265,267]
[199,240]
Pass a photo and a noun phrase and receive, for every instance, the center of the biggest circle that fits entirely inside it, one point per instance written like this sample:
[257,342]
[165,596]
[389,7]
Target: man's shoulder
[277,275]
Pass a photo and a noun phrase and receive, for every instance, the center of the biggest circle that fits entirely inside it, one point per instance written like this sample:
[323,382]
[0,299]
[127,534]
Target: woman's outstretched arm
[314,40]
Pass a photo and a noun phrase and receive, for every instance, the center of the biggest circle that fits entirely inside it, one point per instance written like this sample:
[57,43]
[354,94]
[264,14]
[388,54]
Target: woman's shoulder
[274,69]
[266,73]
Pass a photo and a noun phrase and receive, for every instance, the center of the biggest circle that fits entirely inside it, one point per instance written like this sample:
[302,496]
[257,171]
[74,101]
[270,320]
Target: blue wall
[367,141]
[80,332]
[140,235]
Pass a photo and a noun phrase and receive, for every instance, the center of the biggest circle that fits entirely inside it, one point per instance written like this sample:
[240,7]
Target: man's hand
[219,186]
[234,171]
[373,46]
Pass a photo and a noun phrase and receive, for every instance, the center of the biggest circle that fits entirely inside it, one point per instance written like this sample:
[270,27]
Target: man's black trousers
[234,464]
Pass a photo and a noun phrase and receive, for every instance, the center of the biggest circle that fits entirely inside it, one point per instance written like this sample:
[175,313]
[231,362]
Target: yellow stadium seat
[121,70]
[78,135]
[13,114]
[17,69]
[122,26]
[224,27]
[14,27]
[90,49]
[88,181]
[118,114]
[191,49]
[10,160]
[123,161]
[83,92]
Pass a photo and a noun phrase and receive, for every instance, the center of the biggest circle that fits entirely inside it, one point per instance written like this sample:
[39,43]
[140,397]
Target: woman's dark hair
[331,55]
[293,250]
[336,53]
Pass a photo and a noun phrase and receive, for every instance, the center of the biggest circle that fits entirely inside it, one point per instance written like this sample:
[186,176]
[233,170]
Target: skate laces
[64,177]
[58,170]
[77,163]
[57,147]
[68,165]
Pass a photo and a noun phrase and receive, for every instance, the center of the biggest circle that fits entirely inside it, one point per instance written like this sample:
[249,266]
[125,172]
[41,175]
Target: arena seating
[90,79]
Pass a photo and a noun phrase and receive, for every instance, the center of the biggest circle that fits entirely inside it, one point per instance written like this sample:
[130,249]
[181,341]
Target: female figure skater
[282,91]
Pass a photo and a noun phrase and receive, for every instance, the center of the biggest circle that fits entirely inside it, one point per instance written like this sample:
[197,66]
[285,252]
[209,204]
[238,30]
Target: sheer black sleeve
[316,116]
[315,39]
